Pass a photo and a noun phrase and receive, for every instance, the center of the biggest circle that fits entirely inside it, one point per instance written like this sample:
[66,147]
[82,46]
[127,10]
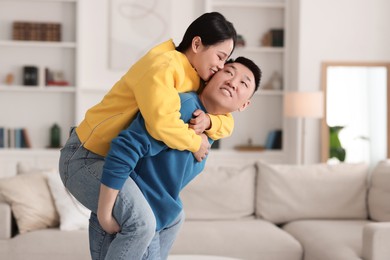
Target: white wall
[338,30]
[94,32]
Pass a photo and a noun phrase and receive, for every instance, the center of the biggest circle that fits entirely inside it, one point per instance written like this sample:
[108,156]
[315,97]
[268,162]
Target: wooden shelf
[260,4]
[38,44]
[48,89]
[247,148]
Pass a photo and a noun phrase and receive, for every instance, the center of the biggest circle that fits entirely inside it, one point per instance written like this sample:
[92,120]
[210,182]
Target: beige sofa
[247,209]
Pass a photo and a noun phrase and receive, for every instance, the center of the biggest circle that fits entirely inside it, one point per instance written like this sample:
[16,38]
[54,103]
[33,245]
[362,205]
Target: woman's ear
[196,44]
[244,106]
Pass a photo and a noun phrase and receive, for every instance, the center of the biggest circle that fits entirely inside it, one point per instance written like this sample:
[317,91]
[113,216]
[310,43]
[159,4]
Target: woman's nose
[220,65]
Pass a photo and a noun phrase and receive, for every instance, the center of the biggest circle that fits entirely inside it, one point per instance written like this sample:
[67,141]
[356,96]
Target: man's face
[229,89]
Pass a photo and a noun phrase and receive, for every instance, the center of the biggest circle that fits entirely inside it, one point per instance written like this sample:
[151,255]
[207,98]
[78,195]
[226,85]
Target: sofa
[238,207]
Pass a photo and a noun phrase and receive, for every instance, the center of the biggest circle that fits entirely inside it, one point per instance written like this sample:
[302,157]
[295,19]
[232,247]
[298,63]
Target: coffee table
[199,257]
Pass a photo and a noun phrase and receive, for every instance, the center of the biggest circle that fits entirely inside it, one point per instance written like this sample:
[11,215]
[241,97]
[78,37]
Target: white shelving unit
[252,19]
[37,108]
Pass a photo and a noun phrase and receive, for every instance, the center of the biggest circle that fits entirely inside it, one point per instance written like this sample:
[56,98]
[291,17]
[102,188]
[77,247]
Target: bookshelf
[38,107]
[253,19]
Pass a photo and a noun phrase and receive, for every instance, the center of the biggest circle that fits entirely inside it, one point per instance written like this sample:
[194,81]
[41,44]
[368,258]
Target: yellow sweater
[151,85]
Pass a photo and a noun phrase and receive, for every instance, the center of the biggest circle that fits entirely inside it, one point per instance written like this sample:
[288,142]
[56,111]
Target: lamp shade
[304,104]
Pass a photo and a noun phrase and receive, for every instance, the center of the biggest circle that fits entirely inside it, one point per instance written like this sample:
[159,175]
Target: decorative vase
[55,134]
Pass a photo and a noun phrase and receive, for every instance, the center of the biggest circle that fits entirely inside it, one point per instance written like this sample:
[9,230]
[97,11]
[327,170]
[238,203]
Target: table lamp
[303,105]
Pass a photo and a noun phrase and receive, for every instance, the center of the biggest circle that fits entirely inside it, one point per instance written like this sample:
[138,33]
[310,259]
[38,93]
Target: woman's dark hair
[212,28]
[252,67]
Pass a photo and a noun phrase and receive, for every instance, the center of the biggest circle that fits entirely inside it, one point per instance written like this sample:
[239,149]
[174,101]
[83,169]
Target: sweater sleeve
[221,126]
[159,102]
[126,150]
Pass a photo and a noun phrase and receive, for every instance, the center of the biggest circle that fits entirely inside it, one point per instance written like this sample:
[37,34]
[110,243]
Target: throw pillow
[221,192]
[292,192]
[73,215]
[30,200]
[379,192]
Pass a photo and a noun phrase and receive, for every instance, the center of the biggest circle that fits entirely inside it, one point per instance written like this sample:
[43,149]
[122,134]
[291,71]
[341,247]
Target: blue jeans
[80,171]
[158,249]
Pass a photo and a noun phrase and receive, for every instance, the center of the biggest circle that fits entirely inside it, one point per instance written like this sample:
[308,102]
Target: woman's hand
[200,122]
[204,149]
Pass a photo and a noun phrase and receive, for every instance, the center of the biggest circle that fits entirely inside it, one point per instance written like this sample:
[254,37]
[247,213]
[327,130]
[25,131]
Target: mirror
[356,122]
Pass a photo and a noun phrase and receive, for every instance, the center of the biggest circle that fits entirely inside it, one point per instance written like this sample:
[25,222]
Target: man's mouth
[226,92]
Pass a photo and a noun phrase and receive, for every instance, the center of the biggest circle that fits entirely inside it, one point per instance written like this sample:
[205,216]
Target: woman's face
[210,59]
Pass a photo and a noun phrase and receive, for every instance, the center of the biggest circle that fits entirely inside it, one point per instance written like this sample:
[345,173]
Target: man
[158,173]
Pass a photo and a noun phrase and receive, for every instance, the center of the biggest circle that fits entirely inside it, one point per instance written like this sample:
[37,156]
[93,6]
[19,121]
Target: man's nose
[232,84]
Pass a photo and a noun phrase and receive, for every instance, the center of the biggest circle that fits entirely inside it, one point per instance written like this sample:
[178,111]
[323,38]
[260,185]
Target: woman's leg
[81,172]
[99,240]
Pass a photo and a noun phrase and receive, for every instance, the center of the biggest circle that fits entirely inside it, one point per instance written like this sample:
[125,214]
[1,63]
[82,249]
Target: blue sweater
[160,172]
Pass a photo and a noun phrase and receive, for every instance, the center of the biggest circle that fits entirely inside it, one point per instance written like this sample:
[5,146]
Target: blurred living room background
[304,174]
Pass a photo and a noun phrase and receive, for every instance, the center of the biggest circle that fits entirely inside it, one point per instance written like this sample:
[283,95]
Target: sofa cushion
[73,215]
[30,200]
[379,192]
[221,192]
[249,239]
[292,192]
[329,239]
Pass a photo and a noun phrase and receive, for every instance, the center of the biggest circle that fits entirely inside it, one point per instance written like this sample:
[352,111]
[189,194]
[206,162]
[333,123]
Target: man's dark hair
[251,66]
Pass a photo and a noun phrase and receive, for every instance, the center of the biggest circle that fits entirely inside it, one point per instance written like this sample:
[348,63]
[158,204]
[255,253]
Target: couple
[132,185]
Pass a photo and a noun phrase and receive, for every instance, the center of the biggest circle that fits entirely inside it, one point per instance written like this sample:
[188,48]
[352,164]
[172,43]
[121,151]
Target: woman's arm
[221,126]
[215,126]
[158,100]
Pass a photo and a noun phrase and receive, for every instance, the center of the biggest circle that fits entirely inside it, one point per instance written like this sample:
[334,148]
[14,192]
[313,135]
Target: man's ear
[244,106]
[196,43]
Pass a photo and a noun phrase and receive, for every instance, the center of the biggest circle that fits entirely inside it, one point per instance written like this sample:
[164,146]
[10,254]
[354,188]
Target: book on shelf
[26,143]
[14,138]
[54,78]
[274,140]
[36,31]
[2,137]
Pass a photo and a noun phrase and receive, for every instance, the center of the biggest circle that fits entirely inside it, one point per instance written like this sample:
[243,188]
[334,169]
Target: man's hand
[204,149]
[107,197]
[108,223]
[200,122]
